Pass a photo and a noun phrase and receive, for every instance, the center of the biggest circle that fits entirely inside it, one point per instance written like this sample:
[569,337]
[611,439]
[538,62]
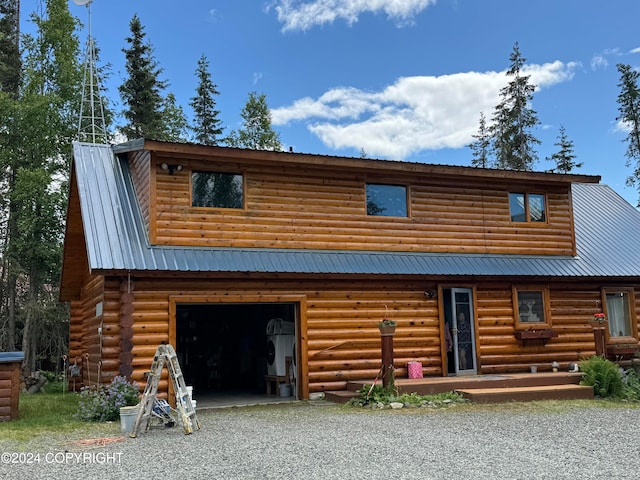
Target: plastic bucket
[285,390]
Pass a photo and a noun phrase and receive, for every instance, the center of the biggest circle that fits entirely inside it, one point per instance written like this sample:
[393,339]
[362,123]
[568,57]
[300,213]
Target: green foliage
[603,375]
[206,124]
[141,91]
[379,395]
[629,114]
[513,120]
[564,158]
[481,146]
[256,132]
[103,404]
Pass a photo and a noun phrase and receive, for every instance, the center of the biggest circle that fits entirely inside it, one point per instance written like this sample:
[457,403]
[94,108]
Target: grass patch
[45,413]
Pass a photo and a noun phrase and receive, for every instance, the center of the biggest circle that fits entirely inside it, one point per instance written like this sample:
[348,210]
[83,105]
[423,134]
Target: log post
[386,340]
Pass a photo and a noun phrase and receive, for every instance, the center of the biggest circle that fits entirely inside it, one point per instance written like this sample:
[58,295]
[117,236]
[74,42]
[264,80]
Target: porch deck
[487,388]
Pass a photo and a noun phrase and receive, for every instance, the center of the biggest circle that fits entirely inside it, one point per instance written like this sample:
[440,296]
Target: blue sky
[401,79]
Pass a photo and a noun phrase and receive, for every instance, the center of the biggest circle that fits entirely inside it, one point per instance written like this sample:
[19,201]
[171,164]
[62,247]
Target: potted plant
[387,327]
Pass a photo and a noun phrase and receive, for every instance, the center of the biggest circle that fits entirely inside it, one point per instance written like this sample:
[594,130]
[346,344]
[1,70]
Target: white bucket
[128,418]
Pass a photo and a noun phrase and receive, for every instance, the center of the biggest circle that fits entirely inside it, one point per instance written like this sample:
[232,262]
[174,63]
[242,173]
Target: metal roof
[607,233]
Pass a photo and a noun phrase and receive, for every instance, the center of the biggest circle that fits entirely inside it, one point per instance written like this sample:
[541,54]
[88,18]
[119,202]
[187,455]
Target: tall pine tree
[141,92]
[207,127]
[514,120]
[629,109]
[481,147]
[256,132]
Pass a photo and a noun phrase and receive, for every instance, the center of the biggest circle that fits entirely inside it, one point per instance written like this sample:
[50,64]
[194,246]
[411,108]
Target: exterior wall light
[171,167]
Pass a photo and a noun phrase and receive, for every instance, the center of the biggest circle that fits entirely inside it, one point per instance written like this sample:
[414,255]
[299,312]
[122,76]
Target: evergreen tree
[206,124]
[256,132]
[34,157]
[174,121]
[629,109]
[141,91]
[10,61]
[481,147]
[514,119]
[564,158]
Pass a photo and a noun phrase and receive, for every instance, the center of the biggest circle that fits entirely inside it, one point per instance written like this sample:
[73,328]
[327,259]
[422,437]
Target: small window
[619,313]
[527,207]
[216,190]
[386,200]
[531,305]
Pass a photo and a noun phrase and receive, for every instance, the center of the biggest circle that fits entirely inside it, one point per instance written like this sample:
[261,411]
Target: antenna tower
[91,125]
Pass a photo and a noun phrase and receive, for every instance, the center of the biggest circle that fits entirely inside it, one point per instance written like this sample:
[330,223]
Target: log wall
[338,334]
[84,338]
[310,207]
[139,164]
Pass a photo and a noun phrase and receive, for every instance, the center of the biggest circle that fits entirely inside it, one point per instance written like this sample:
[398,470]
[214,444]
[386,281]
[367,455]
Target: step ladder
[165,354]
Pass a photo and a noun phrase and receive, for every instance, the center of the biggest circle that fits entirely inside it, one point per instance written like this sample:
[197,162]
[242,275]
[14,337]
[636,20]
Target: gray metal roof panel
[607,232]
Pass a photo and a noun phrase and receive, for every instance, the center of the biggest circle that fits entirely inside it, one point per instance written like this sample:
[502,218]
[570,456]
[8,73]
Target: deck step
[528,394]
[340,396]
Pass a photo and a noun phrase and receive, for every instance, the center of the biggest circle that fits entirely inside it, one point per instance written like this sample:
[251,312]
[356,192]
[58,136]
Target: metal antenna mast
[91,125]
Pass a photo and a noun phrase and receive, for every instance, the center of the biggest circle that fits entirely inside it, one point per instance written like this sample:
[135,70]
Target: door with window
[458,306]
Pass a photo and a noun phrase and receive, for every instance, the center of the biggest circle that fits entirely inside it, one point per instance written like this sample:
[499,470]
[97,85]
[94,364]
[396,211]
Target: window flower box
[543,335]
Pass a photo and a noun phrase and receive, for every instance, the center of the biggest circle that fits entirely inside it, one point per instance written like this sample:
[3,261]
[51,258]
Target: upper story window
[527,207]
[619,312]
[531,306]
[386,200]
[217,190]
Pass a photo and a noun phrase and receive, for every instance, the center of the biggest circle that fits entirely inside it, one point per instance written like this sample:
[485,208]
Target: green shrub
[630,385]
[603,375]
[103,403]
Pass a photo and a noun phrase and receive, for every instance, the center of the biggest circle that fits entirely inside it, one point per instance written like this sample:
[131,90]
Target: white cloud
[599,61]
[301,15]
[635,50]
[414,114]
[257,76]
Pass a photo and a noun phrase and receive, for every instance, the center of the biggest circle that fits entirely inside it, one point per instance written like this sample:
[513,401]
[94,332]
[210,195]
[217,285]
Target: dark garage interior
[222,348]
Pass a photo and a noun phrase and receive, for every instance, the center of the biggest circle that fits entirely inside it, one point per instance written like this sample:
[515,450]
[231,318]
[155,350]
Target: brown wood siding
[139,164]
[338,336]
[312,208]
[571,312]
[84,345]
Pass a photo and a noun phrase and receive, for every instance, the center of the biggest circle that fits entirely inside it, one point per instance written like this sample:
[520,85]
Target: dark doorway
[223,347]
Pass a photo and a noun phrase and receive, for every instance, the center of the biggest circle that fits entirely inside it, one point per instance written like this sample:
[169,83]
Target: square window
[217,190]
[527,207]
[386,200]
[531,307]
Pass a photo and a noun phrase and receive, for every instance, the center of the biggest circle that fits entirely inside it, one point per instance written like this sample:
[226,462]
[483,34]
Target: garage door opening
[224,349]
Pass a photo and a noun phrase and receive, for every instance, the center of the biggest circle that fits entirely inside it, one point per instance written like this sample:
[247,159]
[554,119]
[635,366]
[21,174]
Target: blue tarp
[6,357]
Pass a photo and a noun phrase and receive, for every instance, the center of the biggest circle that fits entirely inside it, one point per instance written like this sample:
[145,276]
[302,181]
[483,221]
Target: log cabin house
[239,257]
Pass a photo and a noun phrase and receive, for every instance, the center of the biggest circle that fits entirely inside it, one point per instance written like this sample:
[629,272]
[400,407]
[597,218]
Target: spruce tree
[256,132]
[514,120]
[10,61]
[141,93]
[207,127]
[481,147]
[629,109]
[564,158]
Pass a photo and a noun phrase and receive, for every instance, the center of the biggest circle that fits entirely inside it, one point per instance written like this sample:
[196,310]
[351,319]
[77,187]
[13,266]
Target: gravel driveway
[319,440]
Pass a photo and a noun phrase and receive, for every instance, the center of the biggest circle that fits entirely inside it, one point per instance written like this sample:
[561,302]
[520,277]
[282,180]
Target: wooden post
[387,358]
[600,339]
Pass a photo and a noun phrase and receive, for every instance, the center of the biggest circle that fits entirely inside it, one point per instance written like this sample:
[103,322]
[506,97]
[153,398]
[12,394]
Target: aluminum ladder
[165,354]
